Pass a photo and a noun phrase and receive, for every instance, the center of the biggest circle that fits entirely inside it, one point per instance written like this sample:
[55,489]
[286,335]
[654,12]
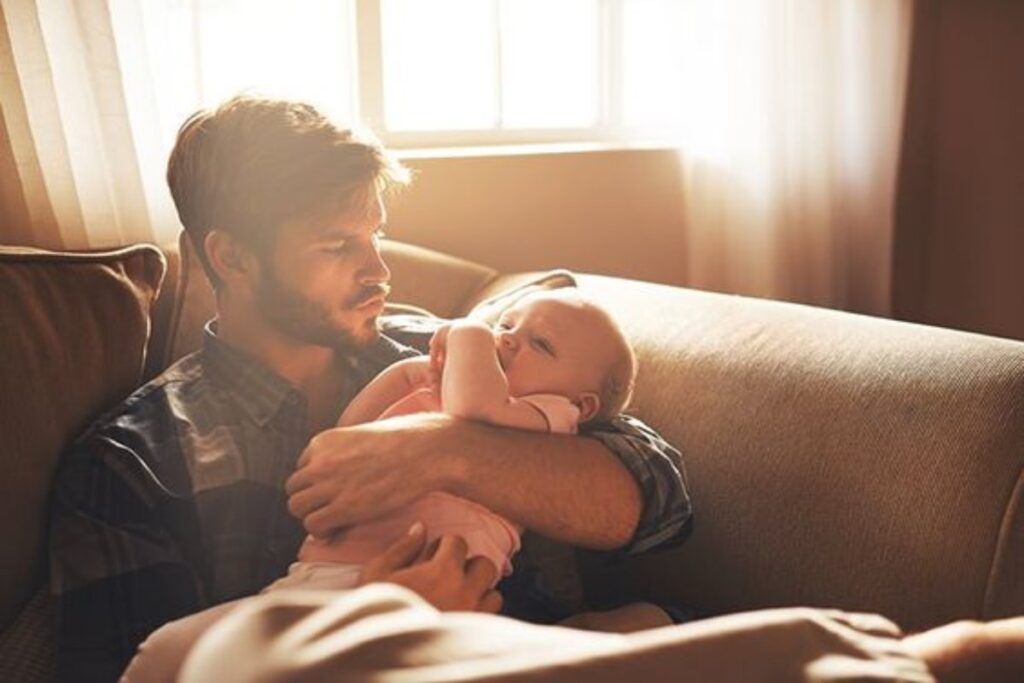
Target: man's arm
[116,570]
[564,487]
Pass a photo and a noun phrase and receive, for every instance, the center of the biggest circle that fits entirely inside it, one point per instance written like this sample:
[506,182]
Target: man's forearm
[568,488]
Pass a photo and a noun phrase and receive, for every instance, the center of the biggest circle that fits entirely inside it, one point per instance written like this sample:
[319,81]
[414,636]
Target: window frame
[610,128]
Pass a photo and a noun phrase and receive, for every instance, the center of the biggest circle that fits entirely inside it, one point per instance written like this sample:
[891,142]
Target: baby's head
[557,342]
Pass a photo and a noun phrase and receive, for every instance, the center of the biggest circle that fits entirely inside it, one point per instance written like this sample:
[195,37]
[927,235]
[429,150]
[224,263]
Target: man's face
[325,283]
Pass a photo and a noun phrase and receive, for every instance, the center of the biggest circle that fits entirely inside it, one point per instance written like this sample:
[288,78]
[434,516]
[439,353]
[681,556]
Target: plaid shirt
[174,501]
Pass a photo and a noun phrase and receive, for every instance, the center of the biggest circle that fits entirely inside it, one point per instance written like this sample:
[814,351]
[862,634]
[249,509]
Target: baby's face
[553,344]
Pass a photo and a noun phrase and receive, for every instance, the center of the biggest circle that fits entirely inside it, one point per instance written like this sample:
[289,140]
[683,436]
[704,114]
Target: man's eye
[338,248]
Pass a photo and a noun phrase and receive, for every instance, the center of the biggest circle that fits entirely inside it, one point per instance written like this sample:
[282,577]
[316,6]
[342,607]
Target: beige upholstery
[833,459]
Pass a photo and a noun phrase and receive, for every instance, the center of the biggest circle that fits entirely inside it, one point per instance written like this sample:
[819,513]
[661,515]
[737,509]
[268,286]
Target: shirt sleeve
[667,516]
[116,569]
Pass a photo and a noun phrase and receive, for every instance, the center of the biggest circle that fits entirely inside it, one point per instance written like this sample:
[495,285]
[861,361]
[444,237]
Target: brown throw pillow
[73,332]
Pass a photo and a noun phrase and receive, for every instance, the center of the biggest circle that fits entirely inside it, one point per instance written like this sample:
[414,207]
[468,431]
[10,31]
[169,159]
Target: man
[175,500]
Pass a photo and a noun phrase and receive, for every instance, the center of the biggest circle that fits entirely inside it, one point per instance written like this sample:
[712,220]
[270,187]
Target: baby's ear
[589,403]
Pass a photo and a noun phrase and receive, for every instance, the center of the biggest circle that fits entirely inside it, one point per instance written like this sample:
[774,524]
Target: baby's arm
[473,385]
[389,386]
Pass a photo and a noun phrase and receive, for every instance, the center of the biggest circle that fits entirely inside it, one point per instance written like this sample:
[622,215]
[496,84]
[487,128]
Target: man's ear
[233,262]
[589,403]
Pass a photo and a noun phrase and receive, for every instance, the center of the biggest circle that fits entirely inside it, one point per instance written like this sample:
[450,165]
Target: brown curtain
[958,256]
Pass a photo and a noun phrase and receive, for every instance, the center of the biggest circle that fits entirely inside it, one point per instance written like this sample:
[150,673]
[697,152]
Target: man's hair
[252,164]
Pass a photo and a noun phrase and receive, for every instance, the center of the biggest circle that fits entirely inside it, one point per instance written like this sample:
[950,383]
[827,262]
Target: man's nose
[375,271]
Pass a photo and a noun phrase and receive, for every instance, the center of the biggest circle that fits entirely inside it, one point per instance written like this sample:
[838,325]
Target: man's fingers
[325,520]
[452,549]
[299,480]
[304,502]
[490,603]
[481,573]
[428,551]
[400,554]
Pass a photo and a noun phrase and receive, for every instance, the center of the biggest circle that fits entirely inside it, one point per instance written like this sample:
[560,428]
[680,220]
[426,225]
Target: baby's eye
[502,325]
[542,344]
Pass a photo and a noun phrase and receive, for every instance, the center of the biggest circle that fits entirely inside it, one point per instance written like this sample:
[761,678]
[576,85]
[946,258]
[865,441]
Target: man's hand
[968,651]
[350,474]
[438,573]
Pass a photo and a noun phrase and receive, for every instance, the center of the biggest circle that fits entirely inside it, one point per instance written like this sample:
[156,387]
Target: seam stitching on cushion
[1012,510]
[29,255]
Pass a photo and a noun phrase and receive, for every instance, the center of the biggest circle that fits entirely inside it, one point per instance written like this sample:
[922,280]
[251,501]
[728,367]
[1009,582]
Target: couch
[833,459]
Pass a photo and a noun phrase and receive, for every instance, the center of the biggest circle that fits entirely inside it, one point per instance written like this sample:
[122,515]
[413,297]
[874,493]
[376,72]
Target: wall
[616,212]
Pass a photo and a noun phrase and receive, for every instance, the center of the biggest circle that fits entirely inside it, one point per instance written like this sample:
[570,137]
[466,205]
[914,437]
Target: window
[430,72]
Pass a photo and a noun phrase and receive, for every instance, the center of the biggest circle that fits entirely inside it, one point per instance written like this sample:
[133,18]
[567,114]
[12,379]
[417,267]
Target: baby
[552,361]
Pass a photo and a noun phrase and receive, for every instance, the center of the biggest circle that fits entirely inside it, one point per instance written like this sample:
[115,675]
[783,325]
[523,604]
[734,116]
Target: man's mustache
[367,293]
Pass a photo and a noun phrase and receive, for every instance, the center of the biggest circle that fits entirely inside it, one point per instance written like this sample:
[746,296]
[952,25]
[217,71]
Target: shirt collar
[260,391]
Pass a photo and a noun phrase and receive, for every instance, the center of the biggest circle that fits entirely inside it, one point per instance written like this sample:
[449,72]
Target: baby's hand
[439,347]
[424,375]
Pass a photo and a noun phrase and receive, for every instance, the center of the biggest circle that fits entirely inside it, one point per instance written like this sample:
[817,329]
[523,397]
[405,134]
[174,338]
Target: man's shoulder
[150,404]
[409,330]
[386,350]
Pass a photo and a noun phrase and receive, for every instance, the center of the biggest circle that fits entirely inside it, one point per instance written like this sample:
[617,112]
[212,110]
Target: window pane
[652,87]
[439,64]
[298,49]
[303,49]
[549,62]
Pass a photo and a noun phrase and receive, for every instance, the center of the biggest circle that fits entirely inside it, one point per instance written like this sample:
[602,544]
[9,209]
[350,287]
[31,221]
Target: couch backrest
[73,330]
[835,460]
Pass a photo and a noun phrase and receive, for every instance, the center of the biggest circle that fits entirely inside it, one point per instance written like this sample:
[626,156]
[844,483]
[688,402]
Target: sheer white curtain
[73,176]
[789,143]
[93,92]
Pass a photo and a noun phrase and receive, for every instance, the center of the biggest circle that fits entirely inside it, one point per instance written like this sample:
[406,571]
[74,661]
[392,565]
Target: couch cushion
[834,460]
[489,302]
[73,342]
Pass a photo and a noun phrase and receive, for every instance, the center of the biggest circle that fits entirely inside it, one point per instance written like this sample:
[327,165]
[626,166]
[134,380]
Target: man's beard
[296,316]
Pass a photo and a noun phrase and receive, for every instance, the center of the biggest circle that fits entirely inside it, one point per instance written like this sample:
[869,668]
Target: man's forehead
[361,216]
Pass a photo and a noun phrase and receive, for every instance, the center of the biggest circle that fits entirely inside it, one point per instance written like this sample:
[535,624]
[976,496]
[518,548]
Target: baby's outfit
[335,563]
